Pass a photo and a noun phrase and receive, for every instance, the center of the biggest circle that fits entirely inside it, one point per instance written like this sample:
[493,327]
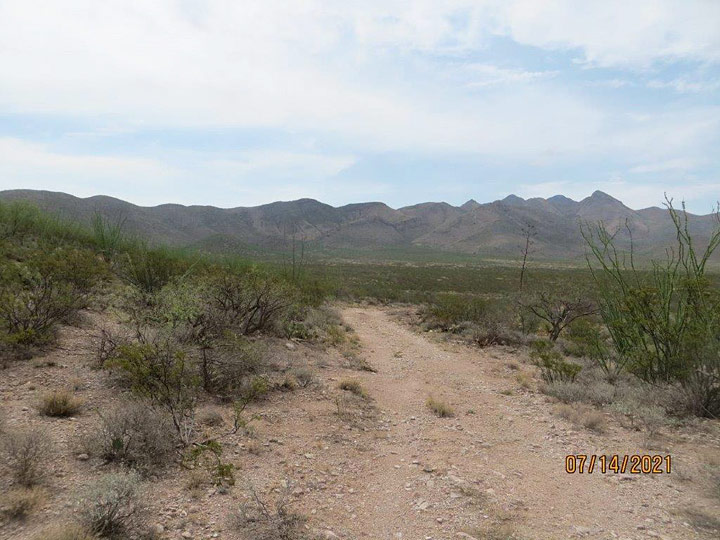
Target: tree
[528,231]
[559,311]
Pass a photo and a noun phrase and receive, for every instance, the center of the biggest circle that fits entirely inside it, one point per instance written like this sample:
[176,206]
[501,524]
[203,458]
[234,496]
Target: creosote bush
[553,367]
[28,455]
[59,403]
[158,369]
[267,520]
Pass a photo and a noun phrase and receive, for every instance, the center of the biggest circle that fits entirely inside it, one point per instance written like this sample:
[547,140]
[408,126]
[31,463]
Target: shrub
[150,269]
[32,304]
[28,454]
[596,393]
[135,434]
[251,302]
[111,505]
[304,376]
[208,455]
[211,417]
[588,418]
[160,371]
[59,403]
[267,521]
[18,503]
[65,531]
[440,408]
[354,386]
[452,309]
[558,311]
[553,367]
[663,324]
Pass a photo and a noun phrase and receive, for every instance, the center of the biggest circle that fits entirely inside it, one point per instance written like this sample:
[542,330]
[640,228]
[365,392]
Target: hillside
[490,229]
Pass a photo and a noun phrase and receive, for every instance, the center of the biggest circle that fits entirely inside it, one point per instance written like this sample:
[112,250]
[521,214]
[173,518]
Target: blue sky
[242,103]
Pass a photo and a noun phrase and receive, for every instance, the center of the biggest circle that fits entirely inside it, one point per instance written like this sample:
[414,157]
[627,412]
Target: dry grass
[439,408]
[27,453]
[61,403]
[354,386]
[586,417]
[18,503]
[210,417]
[524,380]
[65,531]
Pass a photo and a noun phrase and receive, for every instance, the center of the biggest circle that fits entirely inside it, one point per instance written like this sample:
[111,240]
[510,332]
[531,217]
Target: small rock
[158,528]
[186,534]
[290,345]
[83,457]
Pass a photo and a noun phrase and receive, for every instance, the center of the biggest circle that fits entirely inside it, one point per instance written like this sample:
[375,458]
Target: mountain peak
[470,205]
[601,196]
[513,199]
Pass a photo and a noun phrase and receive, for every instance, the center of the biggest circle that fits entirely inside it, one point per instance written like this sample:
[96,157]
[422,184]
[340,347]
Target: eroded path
[498,465]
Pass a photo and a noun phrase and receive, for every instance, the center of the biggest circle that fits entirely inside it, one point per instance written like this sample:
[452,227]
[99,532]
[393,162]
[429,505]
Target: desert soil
[387,467]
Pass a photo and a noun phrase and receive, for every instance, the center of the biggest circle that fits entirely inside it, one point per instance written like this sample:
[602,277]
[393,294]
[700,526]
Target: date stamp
[618,464]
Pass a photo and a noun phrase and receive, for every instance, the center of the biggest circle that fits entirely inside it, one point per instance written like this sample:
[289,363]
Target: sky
[233,103]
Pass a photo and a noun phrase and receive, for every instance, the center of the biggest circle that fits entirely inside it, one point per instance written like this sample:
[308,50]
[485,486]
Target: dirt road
[498,465]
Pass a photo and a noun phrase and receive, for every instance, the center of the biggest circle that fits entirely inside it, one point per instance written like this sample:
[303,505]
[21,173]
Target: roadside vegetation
[188,331]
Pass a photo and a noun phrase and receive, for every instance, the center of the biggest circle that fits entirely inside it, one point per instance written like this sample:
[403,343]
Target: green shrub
[664,324]
[59,403]
[553,367]
[111,506]
[28,454]
[135,434]
[208,455]
[452,309]
[149,269]
[159,370]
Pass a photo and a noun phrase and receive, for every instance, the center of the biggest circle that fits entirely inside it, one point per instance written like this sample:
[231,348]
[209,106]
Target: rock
[186,534]
[158,528]
[290,345]
[83,457]
[465,535]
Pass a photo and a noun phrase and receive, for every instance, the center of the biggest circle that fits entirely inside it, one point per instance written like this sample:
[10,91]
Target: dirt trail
[499,462]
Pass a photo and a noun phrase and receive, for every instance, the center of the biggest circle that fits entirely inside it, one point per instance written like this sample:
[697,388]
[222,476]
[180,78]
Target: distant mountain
[491,229]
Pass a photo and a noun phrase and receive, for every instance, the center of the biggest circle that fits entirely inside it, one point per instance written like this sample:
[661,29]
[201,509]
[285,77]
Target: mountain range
[492,229]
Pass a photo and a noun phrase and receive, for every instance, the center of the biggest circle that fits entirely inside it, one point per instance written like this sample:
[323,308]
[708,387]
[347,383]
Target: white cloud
[684,85]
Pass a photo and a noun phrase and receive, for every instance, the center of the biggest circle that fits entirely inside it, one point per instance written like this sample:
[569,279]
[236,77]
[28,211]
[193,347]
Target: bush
[664,324]
[18,503]
[59,403]
[159,370]
[28,454]
[135,434]
[266,521]
[65,531]
[304,377]
[111,506]
[553,367]
[453,309]
[354,386]
[596,393]
[440,408]
[150,269]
